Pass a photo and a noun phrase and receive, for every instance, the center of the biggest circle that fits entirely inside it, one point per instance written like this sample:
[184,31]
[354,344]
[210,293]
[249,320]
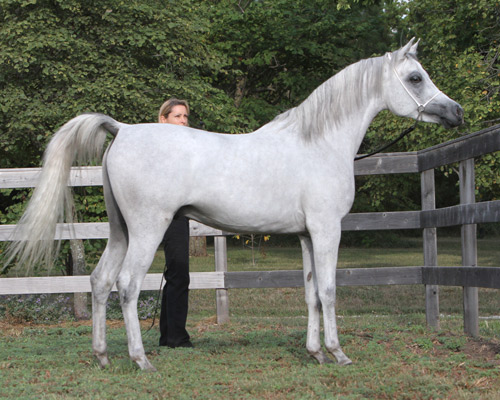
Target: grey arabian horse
[153,171]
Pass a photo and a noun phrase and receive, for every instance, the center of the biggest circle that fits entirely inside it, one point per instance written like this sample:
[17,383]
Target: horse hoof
[145,365]
[321,358]
[103,361]
[342,359]
[149,368]
[346,361]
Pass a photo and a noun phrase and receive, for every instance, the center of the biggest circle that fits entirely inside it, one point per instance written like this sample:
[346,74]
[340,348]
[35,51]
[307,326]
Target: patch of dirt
[206,324]
[10,326]
[478,349]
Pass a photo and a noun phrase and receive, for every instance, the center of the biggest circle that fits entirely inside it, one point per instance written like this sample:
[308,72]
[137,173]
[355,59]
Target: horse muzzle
[449,115]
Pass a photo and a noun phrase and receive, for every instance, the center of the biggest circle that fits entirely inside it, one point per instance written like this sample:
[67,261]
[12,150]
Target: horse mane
[336,99]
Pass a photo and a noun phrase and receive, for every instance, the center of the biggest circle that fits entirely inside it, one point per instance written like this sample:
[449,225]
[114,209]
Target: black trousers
[174,302]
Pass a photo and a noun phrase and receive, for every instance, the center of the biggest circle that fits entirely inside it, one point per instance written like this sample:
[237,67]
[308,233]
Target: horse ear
[406,49]
[409,48]
[413,48]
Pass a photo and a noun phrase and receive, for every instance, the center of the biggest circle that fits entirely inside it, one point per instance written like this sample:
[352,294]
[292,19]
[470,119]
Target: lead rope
[403,134]
[156,305]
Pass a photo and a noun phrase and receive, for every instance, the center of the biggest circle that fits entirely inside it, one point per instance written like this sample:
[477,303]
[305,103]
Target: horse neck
[340,111]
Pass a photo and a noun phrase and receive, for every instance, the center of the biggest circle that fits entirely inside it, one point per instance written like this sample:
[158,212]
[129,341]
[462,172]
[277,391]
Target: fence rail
[467,214]
[485,277]
[478,213]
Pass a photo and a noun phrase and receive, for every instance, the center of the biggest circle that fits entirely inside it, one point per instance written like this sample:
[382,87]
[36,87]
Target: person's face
[178,116]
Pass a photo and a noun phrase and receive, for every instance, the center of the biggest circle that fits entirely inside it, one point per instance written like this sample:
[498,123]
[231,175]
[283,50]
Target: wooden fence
[466,214]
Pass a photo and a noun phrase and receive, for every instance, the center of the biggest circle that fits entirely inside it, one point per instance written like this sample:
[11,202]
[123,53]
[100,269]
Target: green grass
[261,353]
[395,357]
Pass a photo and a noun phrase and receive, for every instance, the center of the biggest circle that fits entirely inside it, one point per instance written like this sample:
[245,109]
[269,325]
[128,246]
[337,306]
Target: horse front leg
[326,246]
[313,344]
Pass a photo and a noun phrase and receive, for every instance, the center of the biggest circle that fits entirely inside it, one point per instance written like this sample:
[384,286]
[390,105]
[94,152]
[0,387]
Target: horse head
[410,92]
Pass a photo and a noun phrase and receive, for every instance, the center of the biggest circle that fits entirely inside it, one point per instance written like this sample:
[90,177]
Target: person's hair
[166,108]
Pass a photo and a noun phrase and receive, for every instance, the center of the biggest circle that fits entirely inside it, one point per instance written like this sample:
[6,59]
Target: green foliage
[62,58]
[454,343]
[278,52]
[40,309]
[237,63]
[56,308]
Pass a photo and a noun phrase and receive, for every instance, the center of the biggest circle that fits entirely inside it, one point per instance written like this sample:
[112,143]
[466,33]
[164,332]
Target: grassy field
[261,353]
[395,357]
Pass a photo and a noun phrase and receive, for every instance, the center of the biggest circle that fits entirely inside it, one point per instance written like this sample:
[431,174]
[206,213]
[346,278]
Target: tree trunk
[80,302]
[240,91]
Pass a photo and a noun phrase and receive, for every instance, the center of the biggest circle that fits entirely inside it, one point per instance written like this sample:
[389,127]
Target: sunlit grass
[394,357]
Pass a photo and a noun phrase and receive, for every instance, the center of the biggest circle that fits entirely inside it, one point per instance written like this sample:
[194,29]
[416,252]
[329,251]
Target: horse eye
[415,79]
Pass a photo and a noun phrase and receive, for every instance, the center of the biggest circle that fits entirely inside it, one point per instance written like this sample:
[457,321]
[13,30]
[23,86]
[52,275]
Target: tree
[236,62]
[61,58]
[279,52]
[462,42]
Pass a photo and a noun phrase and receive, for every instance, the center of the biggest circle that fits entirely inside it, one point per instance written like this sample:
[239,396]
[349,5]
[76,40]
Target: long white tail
[81,139]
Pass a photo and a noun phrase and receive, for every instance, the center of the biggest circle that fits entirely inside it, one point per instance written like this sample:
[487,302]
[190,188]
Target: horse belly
[244,225]
[281,215]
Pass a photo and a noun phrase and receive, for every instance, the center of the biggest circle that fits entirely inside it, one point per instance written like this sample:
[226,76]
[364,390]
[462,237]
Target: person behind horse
[174,304]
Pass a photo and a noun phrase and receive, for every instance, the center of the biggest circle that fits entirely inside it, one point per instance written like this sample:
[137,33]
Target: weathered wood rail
[466,214]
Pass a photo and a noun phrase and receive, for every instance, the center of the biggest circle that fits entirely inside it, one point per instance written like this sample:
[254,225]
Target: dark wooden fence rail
[466,214]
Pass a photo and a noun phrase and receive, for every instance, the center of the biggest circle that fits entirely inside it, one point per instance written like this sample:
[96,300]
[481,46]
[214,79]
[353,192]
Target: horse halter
[420,109]
[420,106]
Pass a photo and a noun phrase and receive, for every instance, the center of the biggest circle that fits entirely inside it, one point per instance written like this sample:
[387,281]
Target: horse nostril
[459,112]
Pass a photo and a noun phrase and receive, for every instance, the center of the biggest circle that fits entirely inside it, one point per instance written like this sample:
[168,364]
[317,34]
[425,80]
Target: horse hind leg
[102,280]
[140,254]
[105,274]
[313,343]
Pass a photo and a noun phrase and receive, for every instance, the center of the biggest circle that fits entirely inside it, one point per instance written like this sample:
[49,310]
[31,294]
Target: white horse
[153,171]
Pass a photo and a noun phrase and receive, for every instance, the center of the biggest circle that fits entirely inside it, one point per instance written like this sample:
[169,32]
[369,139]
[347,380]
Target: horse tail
[79,140]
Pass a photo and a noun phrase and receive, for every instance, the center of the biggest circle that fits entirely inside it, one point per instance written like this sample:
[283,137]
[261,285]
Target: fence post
[222,299]
[469,248]
[428,195]
[80,300]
